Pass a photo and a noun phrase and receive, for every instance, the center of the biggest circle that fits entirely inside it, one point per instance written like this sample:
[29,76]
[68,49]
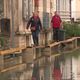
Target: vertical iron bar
[70,9]
[71,69]
[12,28]
[28,9]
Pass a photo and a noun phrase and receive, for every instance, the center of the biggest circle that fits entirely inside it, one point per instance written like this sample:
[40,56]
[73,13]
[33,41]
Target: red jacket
[56,21]
[57,74]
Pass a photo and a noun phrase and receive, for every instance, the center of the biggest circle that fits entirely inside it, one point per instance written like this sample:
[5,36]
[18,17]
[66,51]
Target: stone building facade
[75,9]
[20,10]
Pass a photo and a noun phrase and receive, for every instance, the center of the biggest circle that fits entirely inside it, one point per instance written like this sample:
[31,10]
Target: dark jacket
[34,22]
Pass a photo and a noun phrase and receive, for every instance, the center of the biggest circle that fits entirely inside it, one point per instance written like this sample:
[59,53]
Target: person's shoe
[63,45]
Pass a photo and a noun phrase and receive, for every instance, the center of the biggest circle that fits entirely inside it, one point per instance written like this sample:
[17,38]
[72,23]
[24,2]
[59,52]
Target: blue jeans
[35,35]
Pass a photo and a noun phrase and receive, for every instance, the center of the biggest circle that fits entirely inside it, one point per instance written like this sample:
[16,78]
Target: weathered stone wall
[13,11]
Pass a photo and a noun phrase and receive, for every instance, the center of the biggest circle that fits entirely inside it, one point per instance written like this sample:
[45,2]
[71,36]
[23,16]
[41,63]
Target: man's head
[36,13]
[55,13]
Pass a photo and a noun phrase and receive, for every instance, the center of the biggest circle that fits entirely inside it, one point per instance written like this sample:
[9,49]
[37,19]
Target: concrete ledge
[17,67]
[12,50]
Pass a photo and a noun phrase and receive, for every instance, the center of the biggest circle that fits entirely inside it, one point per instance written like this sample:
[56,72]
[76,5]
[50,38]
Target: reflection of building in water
[70,69]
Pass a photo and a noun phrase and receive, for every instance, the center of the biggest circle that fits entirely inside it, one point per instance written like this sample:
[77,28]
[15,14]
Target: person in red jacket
[56,24]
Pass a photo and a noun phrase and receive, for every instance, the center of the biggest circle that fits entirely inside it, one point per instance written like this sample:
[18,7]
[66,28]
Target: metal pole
[71,69]
[12,26]
[70,9]
[23,9]
[50,6]
[28,9]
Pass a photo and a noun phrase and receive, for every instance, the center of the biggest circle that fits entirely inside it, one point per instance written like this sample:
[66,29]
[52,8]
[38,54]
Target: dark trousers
[35,35]
[56,34]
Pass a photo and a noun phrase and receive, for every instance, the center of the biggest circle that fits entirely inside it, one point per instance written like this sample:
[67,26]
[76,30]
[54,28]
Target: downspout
[12,26]
[28,9]
[70,9]
[71,69]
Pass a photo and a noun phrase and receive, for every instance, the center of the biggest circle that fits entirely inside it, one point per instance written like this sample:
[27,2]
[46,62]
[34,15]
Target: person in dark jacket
[56,25]
[35,25]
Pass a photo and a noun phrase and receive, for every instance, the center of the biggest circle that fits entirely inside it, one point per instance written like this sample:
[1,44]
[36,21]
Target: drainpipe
[29,8]
[71,69]
[70,9]
[50,7]
[12,26]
